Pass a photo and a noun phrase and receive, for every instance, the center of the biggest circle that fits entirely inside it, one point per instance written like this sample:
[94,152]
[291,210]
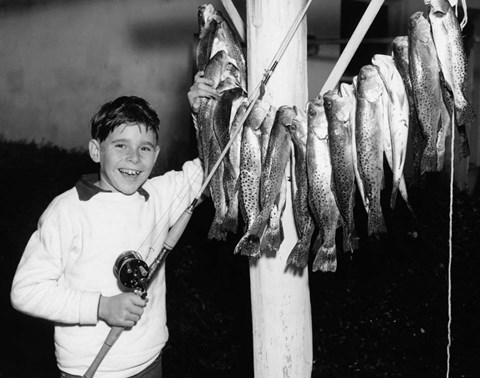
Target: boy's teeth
[129,172]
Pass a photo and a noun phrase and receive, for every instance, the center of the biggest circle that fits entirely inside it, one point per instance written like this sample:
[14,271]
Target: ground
[384,313]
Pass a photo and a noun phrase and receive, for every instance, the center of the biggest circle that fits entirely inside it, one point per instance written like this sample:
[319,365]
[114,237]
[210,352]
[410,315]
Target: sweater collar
[86,188]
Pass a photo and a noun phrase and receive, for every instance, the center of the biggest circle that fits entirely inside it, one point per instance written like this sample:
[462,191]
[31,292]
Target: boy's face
[126,158]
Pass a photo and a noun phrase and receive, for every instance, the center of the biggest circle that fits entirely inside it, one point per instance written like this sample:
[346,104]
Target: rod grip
[178,228]
[112,337]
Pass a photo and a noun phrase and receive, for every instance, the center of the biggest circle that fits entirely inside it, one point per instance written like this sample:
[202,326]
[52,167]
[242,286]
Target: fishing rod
[132,271]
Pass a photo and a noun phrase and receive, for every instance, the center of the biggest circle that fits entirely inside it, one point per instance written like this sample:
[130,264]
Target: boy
[66,273]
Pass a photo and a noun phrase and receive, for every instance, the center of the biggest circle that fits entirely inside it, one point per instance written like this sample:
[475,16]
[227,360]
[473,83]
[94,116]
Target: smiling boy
[66,273]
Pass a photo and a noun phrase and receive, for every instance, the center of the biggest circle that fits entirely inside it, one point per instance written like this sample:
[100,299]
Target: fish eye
[328,104]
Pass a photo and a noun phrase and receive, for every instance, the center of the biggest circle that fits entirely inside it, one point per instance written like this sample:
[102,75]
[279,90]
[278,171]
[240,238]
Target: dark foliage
[384,313]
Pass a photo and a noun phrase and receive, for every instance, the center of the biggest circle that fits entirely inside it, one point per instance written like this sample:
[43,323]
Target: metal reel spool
[131,271]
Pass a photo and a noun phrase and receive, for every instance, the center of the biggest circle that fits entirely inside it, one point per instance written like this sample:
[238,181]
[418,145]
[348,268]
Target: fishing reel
[132,272]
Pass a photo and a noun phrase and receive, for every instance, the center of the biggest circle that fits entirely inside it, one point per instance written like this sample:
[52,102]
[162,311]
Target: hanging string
[450,237]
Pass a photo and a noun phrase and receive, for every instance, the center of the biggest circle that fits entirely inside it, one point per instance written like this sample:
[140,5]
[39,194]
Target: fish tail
[376,222]
[393,196]
[272,239]
[325,259]
[299,254]
[428,161]
[249,245]
[216,230]
[230,223]
[351,241]
[464,146]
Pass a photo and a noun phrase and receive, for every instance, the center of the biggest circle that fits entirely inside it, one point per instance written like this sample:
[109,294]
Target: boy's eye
[120,145]
[146,149]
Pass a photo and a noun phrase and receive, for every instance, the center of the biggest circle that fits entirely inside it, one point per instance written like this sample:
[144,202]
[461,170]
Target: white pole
[281,311]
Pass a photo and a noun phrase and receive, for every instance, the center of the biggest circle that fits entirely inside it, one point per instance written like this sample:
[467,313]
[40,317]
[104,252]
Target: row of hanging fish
[433,63]
[220,56]
[337,144]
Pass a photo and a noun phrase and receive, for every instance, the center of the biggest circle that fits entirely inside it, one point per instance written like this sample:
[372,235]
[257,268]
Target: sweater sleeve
[38,287]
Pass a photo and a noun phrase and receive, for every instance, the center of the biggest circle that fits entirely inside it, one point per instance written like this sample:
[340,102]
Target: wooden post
[281,311]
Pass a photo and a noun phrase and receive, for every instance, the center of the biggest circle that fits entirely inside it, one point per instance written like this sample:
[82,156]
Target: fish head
[257,115]
[439,7]
[337,107]
[298,126]
[347,90]
[369,83]
[285,115]
[400,47]
[316,118]
[385,65]
[419,28]
[206,14]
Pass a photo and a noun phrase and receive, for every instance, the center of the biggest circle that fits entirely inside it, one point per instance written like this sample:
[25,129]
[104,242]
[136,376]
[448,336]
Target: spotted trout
[400,56]
[303,218]
[210,148]
[273,169]
[207,24]
[369,140]
[450,48]
[425,76]
[396,121]
[338,111]
[250,173]
[232,180]
[320,196]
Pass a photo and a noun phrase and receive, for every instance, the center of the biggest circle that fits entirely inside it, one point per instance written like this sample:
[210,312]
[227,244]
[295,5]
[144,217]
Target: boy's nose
[134,157]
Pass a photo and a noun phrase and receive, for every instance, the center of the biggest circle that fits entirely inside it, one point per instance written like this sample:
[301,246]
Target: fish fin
[325,260]
[376,222]
[464,146]
[216,231]
[249,245]
[351,241]
[299,255]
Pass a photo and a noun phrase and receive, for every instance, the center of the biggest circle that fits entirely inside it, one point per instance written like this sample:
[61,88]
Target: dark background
[384,313]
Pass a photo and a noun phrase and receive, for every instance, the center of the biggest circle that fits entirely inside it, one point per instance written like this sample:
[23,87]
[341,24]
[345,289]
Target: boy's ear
[94,149]
[157,151]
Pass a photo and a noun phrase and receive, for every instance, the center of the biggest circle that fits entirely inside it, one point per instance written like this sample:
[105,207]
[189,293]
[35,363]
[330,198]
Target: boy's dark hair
[123,110]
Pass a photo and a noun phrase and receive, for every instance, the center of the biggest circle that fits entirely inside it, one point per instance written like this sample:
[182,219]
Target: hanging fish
[320,196]
[273,237]
[232,181]
[207,23]
[250,173]
[209,146]
[266,128]
[448,39]
[221,126]
[215,35]
[397,117]
[400,56]
[273,169]
[425,75]
[338,111]
[348,90]
[303,219]
[369,141]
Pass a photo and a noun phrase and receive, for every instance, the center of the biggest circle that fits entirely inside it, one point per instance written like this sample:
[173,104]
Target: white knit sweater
[68,263]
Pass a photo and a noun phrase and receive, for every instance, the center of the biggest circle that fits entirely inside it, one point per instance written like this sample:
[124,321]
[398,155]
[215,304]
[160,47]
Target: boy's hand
[202,87]
[122,310]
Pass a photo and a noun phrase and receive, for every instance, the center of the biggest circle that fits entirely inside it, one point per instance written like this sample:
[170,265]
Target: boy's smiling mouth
[129,172]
